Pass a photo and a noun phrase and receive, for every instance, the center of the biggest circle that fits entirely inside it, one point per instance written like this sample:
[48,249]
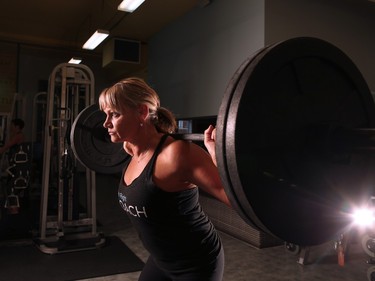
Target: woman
[158,188]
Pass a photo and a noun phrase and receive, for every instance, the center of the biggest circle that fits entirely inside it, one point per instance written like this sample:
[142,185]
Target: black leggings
[212,272]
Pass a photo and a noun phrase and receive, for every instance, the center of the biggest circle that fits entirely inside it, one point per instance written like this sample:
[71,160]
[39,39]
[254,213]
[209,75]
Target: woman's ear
[143,110]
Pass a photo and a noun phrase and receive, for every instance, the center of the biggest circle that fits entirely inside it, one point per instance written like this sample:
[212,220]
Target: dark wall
[29,70]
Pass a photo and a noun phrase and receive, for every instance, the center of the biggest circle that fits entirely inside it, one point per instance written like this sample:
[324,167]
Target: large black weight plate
[92,145]
[274,130]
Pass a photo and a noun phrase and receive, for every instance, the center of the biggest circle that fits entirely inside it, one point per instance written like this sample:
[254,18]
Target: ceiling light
[95,39]
[75,60]
[129,5]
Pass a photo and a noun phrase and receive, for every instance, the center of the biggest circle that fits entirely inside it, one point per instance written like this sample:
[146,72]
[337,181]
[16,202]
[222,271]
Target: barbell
[292,127]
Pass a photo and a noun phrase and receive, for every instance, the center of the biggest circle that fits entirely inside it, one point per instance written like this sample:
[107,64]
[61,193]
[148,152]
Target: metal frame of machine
[67,228]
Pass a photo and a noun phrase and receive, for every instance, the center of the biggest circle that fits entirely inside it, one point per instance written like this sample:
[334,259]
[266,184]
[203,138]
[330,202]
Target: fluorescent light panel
[95,39]
[75,60]
[129,5]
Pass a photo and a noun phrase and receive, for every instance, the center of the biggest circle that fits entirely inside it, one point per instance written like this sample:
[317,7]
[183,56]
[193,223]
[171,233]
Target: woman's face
[121,126]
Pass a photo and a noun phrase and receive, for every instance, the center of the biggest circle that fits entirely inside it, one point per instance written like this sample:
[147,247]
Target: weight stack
[228,221]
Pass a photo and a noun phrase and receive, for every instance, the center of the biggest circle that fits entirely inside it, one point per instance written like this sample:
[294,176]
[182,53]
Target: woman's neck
[142,149]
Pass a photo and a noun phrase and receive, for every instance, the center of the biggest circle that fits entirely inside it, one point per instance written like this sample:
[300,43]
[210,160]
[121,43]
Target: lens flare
[363,217]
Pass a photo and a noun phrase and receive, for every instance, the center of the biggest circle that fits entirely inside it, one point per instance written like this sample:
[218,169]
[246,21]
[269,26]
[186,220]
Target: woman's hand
[210,142]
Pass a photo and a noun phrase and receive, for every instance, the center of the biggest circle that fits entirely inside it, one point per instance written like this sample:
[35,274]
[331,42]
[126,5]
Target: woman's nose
[106,123]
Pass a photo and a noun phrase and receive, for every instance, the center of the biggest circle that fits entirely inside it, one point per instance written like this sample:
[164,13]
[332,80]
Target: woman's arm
[206,176]
[183,164]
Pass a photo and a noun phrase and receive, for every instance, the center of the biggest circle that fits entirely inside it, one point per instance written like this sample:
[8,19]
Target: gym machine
[65,225]
[18,171]
[15,164]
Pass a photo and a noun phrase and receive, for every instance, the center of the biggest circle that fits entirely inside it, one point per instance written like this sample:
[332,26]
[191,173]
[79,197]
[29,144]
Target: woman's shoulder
[173,145]
[181,151]
[174,164]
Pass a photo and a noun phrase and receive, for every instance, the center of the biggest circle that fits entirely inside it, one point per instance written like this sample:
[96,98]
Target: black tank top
[171,225]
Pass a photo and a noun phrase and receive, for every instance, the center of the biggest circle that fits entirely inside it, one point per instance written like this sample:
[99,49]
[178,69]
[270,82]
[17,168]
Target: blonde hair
[134,91]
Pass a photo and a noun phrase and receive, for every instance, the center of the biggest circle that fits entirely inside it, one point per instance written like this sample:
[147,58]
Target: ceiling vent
[122,50]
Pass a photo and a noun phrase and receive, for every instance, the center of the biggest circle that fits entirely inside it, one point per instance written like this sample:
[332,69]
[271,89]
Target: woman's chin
[115,140]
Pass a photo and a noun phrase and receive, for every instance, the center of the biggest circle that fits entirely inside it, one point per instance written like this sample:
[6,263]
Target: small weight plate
[368,245]
[92,145]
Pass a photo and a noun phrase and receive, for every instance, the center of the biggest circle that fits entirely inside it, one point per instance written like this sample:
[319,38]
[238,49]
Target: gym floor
[242,261]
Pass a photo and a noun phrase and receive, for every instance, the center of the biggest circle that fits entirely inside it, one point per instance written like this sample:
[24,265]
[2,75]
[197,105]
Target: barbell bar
[189,136]
[359,140]
[284,141]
